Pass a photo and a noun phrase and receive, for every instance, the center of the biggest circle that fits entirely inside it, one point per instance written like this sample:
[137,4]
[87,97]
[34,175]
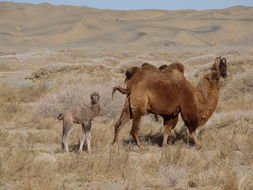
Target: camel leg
[135,130]
[156,117]
[124,117]
[65,134]
[82,139]
[192,126]
[195,139]
[87,130]
[169,123]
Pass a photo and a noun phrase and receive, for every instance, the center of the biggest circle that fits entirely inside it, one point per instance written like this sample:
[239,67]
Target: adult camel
[169,95]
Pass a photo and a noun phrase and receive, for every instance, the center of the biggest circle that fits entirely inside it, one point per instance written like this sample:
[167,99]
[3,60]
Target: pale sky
[147,4]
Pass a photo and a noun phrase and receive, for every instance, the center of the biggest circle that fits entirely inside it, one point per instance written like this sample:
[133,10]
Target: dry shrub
[14,164]
[4,138]
[10,110]
[41,123]
[43,173]
[231,182]
[172,176]
[75,94]
[92,70]
[95,167]
[30,170]
[239,86]
[215,176]
[13,99]
[43,137]
[22,94]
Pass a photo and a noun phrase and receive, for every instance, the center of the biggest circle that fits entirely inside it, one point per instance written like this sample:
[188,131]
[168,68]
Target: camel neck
[95,108]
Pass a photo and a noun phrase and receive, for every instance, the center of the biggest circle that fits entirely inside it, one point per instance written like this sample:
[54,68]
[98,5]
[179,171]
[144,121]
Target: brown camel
[83,115]
[168,96]
[135,74]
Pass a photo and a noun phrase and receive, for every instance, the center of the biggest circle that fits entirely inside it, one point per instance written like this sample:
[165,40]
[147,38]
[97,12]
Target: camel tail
[120,89]
[60,117]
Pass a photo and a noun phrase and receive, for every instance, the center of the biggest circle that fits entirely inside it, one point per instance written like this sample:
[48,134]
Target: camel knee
[82,140]
[65,143]
[88,142]
[88,136]
[65,134]
[134,132]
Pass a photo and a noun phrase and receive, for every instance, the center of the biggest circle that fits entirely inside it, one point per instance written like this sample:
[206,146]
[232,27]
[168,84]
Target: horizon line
[72,5]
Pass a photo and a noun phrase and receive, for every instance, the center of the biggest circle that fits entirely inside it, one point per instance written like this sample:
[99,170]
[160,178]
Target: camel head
[94,98]
[220,66]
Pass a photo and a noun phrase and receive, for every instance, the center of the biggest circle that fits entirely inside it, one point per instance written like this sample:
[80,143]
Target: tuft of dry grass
[22,94]
[231,182]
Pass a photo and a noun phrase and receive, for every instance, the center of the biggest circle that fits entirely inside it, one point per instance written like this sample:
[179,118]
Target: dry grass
[30,134]
[22,94]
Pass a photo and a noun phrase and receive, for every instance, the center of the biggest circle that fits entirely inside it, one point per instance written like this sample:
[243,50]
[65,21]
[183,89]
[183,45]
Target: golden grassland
[38,85]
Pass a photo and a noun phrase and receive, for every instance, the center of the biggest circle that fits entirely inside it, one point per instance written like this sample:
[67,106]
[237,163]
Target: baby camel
[83,115]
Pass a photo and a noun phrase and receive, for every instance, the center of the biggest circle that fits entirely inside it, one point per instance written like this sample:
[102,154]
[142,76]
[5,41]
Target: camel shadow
[152,139]
[157,139]
[72,148]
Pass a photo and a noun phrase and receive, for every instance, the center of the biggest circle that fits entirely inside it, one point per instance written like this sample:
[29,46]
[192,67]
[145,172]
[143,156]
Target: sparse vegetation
[30,145]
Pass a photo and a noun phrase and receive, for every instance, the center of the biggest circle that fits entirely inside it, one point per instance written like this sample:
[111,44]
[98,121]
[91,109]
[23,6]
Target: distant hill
[48,25]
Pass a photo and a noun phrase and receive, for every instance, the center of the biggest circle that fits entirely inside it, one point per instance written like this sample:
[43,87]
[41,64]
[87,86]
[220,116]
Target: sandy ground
[48,64]
[46,25]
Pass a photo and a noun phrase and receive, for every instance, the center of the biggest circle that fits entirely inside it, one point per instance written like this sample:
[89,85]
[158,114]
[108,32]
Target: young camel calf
[83,115]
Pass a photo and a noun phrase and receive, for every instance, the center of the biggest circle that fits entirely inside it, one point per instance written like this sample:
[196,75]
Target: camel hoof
[114,141]
[139,145]
[198,147]
[79,151]
[164,144]
[89,151]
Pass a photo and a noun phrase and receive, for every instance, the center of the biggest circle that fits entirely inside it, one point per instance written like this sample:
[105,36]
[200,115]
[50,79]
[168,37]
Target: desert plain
[53,57]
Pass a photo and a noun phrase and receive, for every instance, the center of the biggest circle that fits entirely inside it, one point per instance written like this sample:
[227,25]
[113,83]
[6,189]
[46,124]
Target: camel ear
[216,64]
[223,67]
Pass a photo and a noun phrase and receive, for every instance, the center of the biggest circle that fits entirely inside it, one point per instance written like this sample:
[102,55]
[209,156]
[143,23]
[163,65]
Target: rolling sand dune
[46,67]
[45,24]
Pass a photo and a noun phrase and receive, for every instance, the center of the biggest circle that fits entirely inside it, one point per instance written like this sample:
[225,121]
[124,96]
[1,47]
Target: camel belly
[162,104]
[154,97]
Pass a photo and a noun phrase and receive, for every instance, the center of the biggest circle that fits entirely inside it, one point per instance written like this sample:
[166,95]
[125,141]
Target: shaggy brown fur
[83,115]
[173,66]
[134,74]
[131,79]
[174,70]
[168,95]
